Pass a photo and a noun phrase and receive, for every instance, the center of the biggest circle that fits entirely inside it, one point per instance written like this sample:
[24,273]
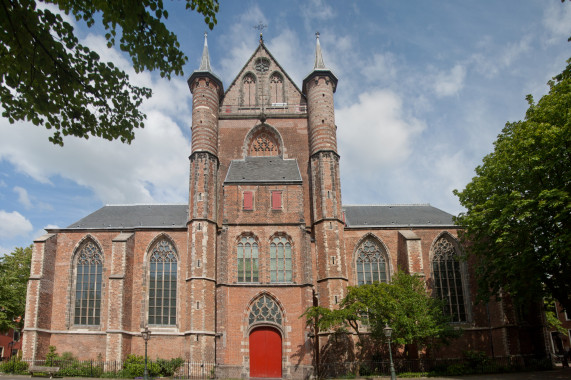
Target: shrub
[14,365]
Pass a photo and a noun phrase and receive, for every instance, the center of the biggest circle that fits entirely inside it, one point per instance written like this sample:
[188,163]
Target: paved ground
[557,374]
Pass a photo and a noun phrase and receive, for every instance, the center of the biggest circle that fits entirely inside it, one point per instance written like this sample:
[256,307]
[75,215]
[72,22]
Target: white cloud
[239,44]
[557,21]
[450,83]
[313,11]
[23,196]
[13,224]
[149,170]
[382,68]
[375,132]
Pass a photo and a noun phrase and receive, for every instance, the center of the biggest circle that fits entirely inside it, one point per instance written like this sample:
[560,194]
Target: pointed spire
[205,63]
[319,64]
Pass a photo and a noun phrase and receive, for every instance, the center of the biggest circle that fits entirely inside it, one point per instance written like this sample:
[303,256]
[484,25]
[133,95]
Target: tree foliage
[14,274]
[518,207]
[48,78]
[403,304]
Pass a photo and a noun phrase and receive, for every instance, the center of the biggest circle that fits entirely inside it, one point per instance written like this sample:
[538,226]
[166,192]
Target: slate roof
[422,215]
[134,216]
[263,169]
[175,216]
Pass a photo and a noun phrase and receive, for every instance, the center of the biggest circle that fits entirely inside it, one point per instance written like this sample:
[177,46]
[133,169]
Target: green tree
[403,304]
[518,207]
[48,78]
[14,274]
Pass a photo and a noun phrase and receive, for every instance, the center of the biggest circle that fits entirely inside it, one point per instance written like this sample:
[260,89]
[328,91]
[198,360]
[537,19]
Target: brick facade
[261,114]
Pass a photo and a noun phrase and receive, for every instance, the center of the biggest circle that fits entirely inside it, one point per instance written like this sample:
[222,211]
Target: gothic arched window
[276,89]
[447,276]
[162,284]
[371,263]
[263,144]
[89,272]
[265,309]
[249,91]
[280,260]
[247,254]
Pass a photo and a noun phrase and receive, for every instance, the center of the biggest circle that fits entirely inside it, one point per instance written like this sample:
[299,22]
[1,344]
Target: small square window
[276,200]
[248,200]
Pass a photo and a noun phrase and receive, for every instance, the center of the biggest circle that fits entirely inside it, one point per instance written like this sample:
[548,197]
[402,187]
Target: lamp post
[146,333]
[388,332]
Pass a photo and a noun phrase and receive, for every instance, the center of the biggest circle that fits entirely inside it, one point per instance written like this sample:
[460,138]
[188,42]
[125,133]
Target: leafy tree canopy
[403,304]
[14,274]
[518,218]
[48,78]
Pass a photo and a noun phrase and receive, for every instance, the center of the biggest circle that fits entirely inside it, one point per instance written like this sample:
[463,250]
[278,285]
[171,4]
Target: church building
[225,278]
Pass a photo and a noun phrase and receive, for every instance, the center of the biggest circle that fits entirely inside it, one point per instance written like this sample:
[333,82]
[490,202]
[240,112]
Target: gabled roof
[263,47]
[420,215]
[134,216]
[263,170]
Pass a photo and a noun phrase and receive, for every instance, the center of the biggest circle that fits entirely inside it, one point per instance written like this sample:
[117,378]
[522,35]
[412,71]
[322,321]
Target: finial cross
[261,26]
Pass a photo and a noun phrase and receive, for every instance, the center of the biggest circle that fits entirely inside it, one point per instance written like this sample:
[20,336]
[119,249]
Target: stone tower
[207,90]
[328,227]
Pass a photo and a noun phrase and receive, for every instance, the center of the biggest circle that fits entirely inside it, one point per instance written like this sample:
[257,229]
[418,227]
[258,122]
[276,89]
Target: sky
[425,87]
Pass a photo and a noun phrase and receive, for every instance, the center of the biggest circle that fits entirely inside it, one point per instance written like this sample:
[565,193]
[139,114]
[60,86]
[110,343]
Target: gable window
[249,91]
[280,260]
[276,200]
[89,270]
[447,276]
[162,284]
[371,263]
[277,90]
[248,200]
[247,254]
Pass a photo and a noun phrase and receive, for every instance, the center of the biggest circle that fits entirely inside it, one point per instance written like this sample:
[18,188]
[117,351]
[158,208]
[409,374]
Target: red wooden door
[265,353]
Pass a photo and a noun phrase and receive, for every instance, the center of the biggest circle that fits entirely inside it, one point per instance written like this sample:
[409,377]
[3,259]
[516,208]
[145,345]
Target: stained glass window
[89,269]
[280,260]
[162,284]
[371,263]
[448,279]
[247,253]
[265,309]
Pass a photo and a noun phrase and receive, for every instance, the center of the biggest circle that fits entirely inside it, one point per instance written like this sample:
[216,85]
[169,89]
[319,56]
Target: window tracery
[276,89]
[89,270]
[265,309]
[162,284]
[280,260]
[447,276]
[247,254]
[263,145]
[371,264]
[249,91]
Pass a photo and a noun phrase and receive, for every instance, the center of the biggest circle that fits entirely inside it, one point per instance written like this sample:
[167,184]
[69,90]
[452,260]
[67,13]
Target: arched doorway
[265,352]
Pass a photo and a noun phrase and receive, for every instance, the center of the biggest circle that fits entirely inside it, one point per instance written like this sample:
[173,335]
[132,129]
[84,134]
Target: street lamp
[146,333]
[388,332]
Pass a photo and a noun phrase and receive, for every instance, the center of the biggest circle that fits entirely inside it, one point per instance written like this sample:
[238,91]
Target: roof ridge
[144,204]
[387,204]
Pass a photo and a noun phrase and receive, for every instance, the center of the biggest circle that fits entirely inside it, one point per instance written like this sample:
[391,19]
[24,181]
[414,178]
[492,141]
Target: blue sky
[424,89]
